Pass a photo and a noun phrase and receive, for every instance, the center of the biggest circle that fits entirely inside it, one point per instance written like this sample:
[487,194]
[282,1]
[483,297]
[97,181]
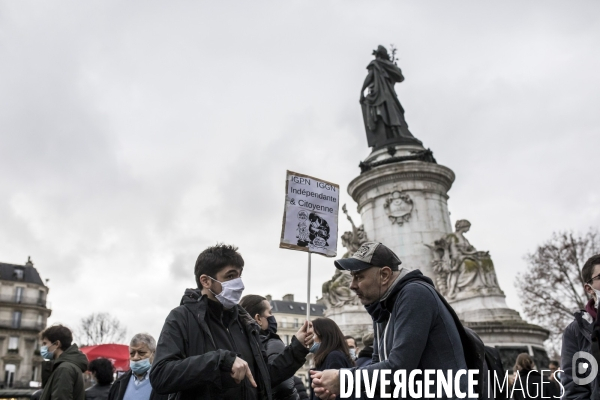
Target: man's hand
[303,335]
[326,384]
[241,370]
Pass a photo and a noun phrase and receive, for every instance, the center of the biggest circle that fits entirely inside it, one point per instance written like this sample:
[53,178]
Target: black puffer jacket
[188,363]
[300,388]
[274,346]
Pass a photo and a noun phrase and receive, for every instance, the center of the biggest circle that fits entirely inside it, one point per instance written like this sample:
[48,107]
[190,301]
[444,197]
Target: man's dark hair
[555,363]
[215,258]
[588,268]
[58,332]
[103,369]
[350,337]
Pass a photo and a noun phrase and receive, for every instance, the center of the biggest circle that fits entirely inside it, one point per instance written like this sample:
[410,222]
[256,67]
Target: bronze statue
[382,112]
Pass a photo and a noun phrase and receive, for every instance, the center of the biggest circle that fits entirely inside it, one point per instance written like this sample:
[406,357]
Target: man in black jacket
[209,347]
[577,379]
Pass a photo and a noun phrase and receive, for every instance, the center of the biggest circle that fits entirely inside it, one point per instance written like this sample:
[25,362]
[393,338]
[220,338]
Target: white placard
[310,219]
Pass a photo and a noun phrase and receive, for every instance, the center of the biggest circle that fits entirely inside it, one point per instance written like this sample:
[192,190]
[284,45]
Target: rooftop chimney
[288,297]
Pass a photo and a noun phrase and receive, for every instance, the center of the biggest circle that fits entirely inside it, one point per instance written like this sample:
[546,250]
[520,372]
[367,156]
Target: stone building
[290,316]
[23,314]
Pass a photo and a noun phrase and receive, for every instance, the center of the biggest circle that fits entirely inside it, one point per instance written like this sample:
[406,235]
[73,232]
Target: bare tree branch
[552,287]
[101,328]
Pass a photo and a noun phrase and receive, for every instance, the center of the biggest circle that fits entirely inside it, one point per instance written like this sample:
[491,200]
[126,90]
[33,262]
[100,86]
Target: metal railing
[287,324]
[23,324]
[12,298]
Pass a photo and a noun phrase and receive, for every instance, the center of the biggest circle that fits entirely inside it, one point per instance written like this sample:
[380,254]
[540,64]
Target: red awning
[117,353]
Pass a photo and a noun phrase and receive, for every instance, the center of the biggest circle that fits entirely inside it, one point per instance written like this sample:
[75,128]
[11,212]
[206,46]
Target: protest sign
[310,219]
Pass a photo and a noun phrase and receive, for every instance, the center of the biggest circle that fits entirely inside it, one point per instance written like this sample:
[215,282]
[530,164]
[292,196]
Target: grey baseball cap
[370,254]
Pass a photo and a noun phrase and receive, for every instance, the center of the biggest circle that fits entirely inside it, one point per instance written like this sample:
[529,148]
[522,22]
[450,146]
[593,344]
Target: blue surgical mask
[46,354]
[140,367]
[315,347]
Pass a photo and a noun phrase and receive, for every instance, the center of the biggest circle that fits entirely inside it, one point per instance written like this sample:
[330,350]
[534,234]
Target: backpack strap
[473,347]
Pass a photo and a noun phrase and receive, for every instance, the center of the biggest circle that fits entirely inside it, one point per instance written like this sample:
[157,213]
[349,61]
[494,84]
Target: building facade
[23,315]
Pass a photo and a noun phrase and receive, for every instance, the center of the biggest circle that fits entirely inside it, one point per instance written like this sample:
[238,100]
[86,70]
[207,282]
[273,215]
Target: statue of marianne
[382,112]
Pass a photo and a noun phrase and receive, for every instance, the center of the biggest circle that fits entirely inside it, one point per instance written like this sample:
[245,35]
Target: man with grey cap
[413,329]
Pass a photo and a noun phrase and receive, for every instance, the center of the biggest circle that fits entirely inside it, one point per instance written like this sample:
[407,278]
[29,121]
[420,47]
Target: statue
[460,268]
[352,240]
[336,291]
[382,112]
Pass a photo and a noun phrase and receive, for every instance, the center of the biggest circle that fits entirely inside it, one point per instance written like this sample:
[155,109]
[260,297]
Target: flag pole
[308,290]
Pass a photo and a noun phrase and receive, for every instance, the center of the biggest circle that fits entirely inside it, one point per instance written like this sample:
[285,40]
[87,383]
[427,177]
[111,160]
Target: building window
[18,294]
[16,321]
[13,343]
[19,274]
[9,374]
[41,301]
[284,322]
[295,322]
[34,373]
[287,339]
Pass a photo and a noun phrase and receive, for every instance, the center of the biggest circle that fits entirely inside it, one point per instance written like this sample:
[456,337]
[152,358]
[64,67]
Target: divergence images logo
[585,368]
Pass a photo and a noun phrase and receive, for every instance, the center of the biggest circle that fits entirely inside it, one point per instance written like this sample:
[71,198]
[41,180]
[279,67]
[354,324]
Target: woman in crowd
[330,347]
[102,374]
[528,382]
[259,308]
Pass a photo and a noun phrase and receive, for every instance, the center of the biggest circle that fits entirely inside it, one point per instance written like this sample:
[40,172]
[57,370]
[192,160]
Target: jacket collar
[585,327]
[412,276]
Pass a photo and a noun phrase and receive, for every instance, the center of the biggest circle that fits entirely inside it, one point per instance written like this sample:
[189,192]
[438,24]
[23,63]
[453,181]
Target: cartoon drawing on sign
[303,235]
[318,231]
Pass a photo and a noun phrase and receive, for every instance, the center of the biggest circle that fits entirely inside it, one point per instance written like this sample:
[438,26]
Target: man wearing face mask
[578,337]
[135,383]
[210,347]
[66,367]
[413,329]
[352,347]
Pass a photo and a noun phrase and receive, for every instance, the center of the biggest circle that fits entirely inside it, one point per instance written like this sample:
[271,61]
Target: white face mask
[231,292]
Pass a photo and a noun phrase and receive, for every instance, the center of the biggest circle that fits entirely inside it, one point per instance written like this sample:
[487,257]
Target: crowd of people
[219,345]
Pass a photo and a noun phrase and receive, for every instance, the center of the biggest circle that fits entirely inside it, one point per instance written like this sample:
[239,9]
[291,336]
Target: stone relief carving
[461,270]
[398,207]
[336,291]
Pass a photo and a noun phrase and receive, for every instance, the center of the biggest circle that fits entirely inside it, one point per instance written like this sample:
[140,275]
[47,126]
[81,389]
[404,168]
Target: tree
[99,328]
[551,288]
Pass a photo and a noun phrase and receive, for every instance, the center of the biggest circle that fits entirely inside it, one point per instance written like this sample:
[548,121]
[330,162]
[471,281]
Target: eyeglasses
[594,278]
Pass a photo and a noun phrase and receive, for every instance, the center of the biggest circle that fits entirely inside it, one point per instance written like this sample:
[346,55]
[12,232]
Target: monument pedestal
[404,204]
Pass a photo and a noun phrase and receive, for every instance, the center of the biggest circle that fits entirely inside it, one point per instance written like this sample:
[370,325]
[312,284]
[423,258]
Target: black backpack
[477,357]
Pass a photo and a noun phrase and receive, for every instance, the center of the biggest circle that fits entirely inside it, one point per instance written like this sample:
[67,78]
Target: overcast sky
[135,134]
